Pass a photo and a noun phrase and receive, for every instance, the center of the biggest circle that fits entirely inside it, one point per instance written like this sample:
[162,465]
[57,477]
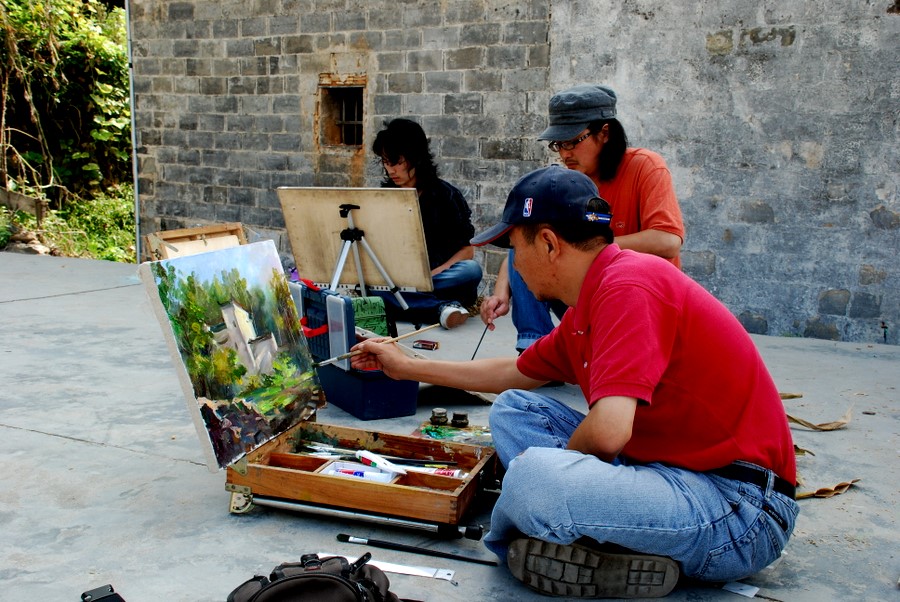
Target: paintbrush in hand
[357,352]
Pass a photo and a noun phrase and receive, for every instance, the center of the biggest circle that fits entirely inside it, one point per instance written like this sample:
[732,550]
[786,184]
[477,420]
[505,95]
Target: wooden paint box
[273,475]
[248,377]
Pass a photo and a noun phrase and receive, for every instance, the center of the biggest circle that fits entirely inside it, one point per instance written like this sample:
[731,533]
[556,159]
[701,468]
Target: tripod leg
[339,266]
[359,271]
[384,274]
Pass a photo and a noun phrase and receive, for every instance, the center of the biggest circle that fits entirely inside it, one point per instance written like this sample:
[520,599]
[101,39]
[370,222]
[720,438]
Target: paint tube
[354,470]
[444,472]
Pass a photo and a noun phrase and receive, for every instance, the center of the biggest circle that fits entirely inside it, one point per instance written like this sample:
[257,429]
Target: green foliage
[5,226]
[98,228]
[66,126]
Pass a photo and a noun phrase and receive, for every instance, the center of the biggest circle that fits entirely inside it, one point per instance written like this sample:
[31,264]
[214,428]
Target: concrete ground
[105,480]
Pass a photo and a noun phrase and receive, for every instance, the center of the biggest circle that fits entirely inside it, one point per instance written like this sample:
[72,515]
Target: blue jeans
[717,529]
[530,316]
[456,284]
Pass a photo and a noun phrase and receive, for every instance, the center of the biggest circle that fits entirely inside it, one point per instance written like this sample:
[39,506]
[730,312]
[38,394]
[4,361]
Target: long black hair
[404,138]
[612,152]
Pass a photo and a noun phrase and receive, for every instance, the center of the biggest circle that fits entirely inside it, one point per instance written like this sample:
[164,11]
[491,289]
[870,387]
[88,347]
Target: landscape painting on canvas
[231,323]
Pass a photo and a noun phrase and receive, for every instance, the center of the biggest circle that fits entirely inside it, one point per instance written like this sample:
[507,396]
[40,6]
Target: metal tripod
[352,235]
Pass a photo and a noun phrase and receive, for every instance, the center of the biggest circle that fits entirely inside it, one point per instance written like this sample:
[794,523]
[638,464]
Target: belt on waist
[755,476]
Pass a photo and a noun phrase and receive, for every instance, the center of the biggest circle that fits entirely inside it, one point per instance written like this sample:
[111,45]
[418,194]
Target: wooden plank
[167,244]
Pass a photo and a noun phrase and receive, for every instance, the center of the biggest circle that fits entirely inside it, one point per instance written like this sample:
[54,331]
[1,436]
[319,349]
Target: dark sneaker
[577,571]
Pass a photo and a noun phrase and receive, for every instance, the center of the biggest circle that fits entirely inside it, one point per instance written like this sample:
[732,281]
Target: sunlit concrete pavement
[104,479]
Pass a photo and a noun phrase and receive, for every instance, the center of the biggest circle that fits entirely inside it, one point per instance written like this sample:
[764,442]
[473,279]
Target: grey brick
[506,57]
[483,81]
[258,180]
[388,104]
[347,21]
[242,196]
[423,104]
[225,28]
[424,60]
[257,26]
[390,61]
[502,149]
[402,39]
[834,302]
[440,37]
[526,32]
[538,56]
[481,34]
[287,103]
[284,24]
[462,103]
[286,142]
[197,67]
[298,44]
[315,22]
[405,83]
[525,80]
[365,40]
[214,158]
[239,48]
[464,11]
[865,305]
[211,123]
[267,46]
[459,146]
[184,48]
[437,82]
[198,30]
[465,58]
[419,16]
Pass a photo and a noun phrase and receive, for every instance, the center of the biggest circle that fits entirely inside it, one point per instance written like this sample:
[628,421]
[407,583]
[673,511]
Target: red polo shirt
[643,329]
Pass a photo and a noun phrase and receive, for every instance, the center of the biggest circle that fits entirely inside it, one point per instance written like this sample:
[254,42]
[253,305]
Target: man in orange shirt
[635,181]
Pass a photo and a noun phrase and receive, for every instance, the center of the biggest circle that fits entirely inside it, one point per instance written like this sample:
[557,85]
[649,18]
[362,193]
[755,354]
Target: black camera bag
[314,579]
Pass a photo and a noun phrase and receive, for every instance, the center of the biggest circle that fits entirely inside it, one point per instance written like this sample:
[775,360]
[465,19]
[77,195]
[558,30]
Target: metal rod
[442,530]
[402,547]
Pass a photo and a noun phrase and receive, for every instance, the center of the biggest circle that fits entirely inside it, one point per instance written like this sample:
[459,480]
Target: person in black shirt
[404,152]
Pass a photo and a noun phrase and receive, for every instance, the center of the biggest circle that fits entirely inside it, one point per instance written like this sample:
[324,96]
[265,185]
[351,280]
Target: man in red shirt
[636,182]
[684,461]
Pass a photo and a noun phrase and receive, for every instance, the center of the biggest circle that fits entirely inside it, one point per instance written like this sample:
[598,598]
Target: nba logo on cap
[526,209]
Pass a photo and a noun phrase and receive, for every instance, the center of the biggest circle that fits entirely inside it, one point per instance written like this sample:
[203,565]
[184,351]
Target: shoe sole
[456,319]
[576,571]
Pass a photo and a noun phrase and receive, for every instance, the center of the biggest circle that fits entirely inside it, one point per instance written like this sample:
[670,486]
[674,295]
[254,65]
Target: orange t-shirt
[642,196]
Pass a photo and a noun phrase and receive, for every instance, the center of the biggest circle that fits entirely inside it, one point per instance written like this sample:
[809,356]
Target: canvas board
[237,344]
[389,218]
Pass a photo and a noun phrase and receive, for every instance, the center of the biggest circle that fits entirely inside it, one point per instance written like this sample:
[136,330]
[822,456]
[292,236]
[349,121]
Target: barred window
[341,115]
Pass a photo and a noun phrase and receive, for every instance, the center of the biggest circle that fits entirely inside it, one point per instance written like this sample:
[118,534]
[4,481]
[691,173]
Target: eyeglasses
[568,144]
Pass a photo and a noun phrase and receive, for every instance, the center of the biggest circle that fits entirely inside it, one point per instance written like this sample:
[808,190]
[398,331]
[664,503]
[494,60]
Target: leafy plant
[98,228]
[5,226]
[65,115]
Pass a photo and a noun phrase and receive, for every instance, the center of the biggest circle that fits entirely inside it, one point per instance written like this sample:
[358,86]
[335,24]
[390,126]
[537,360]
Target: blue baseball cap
[572,110]
[550,195]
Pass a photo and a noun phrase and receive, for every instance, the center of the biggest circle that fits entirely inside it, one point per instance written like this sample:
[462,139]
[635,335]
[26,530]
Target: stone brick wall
[779,122]
[227,99]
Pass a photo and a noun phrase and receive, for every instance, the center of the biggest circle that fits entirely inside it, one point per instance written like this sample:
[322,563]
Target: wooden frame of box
[166,244]
[252,391]
[274,471]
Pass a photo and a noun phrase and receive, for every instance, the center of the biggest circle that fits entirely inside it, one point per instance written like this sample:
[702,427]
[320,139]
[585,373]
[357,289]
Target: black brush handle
[402,547]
